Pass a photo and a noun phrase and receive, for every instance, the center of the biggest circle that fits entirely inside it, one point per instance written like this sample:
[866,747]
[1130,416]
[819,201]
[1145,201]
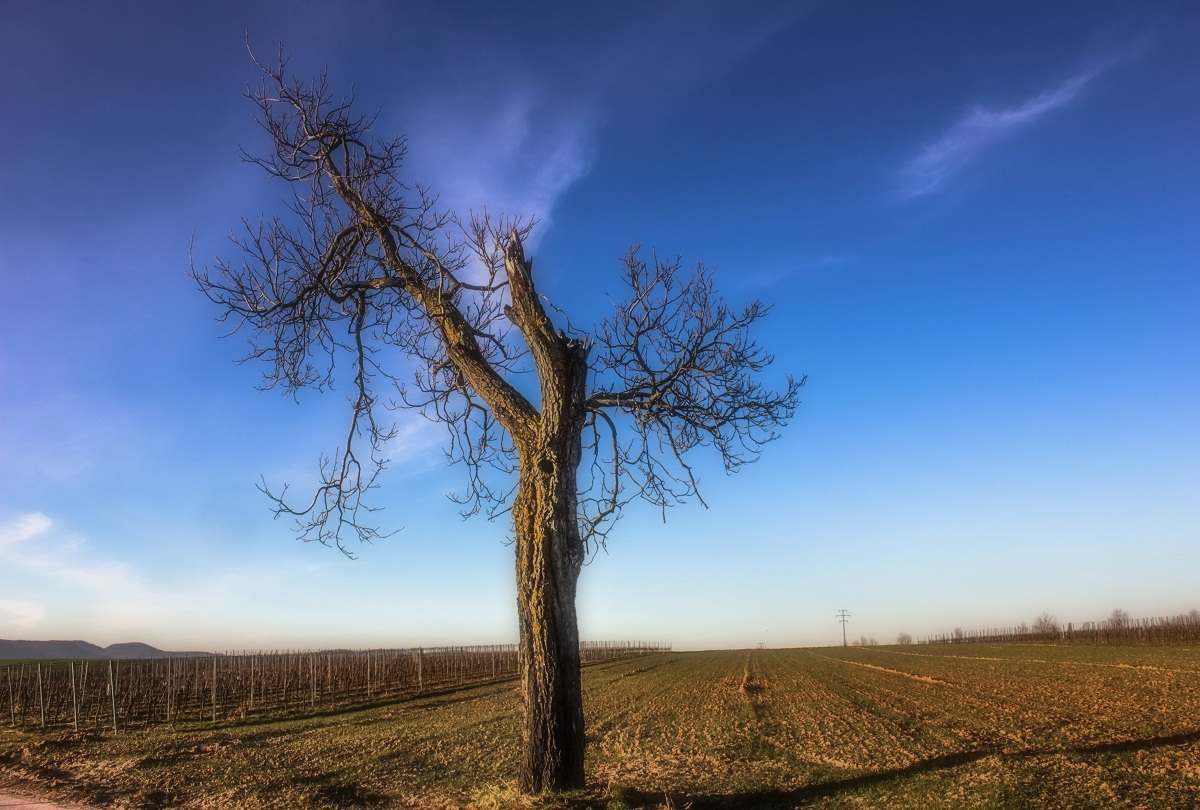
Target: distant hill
[84,649]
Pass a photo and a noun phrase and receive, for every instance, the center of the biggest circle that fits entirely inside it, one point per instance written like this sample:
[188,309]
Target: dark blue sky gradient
[977,224]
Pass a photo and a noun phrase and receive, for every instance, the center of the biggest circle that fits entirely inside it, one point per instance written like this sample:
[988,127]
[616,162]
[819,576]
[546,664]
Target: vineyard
[117,694]
[921,727]
[1181,629]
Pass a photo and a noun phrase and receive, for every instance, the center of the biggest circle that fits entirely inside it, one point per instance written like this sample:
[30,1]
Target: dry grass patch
[926,728]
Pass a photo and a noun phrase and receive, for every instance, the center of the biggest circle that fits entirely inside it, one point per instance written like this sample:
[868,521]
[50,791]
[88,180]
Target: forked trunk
[549,548]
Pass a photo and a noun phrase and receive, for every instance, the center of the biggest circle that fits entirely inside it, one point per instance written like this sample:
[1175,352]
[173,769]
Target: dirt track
[25,803]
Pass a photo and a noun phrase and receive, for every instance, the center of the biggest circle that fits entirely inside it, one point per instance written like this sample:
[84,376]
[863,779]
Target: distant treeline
[119,693]
[1181,629]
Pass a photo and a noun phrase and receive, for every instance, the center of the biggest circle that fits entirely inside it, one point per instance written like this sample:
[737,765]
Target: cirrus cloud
[982,128]
[20,614]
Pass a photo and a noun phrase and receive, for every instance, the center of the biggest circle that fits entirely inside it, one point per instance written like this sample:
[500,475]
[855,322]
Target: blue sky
[978,224]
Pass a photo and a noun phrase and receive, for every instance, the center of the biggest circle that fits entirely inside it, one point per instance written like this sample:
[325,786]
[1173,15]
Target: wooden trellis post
[74,701]
[251,679]
[83,687]
[112,693]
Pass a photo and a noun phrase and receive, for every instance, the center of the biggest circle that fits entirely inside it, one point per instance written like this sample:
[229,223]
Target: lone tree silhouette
[1045,623]
[364,274]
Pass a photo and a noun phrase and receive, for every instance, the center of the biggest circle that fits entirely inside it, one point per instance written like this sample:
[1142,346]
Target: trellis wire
[146,692]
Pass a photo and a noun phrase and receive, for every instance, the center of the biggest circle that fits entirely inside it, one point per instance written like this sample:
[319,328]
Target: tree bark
[549,558]
[548,565]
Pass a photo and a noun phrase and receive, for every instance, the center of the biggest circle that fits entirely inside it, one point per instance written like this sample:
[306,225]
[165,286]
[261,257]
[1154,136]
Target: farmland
[927,726]
[117,694]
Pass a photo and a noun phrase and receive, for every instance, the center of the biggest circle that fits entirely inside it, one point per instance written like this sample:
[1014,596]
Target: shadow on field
[1137,745]
[792,798]
[330,790]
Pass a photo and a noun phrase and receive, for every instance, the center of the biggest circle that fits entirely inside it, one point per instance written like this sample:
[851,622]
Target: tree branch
[682,369]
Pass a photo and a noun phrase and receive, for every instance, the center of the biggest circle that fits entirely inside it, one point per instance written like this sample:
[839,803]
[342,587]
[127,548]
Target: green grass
[981,726]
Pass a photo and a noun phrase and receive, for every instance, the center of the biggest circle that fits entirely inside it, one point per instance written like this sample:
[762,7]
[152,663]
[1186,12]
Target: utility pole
[843,616]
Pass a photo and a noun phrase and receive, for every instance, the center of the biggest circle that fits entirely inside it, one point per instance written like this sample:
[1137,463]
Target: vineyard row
[124,693]
[1182,629]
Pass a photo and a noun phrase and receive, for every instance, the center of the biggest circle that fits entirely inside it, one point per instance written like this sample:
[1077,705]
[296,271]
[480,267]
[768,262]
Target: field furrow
[933,727]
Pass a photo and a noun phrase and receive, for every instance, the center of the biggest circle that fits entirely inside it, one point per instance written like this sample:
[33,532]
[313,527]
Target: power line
[843,616]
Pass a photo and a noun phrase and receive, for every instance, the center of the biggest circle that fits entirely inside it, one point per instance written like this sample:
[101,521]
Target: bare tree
[1045,623]
[559,427]
[1119,619]
[903,638]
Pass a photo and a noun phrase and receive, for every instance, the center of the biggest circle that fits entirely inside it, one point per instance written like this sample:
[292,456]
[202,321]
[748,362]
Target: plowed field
[919,727]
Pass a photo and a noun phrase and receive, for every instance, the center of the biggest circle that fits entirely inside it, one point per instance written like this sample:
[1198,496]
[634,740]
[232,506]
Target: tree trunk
[549,548]
[552,754]
[549,559]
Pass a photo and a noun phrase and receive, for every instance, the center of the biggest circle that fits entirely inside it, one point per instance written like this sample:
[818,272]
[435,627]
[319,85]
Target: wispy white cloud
[21,615]
[518,154]
[37,557]
[797,266]
[20,529]
[27,543]
[516,147]
[982,128]
[416,441]
[57,584]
